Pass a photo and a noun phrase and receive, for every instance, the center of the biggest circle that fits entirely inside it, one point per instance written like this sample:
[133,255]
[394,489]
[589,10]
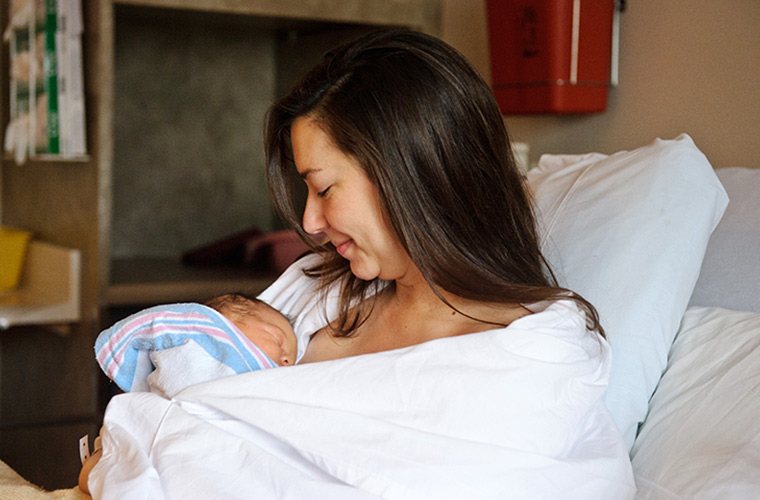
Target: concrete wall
[190,94]
[189,97]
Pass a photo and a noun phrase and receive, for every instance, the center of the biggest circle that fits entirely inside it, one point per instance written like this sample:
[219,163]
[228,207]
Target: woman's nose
[313,219]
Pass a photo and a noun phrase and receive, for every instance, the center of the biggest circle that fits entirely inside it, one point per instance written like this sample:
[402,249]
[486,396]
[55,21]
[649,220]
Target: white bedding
[701,439]
[381,424]
[510,413]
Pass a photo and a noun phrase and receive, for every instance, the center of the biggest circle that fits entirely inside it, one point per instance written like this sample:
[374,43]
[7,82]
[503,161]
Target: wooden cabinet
[50,385]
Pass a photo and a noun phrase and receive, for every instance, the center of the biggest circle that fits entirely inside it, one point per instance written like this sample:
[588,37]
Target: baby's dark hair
[238,303]
[236,300]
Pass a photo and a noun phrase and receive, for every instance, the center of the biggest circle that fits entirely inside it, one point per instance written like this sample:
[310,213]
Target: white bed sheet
[509,413]
[701,439]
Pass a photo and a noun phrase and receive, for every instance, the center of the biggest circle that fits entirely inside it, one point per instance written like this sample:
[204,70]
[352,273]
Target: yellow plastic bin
[13,243]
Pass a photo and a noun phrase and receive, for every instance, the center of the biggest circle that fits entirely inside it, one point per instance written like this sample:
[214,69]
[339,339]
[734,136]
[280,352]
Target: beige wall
[685,66]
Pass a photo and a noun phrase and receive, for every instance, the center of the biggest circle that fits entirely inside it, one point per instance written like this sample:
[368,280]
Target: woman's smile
[342,248]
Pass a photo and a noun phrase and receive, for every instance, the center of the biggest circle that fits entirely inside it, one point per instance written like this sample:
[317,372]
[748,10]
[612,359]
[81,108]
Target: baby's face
[271,332]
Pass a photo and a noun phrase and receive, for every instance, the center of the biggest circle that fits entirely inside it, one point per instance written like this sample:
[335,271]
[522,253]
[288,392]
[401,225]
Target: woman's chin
[364,272]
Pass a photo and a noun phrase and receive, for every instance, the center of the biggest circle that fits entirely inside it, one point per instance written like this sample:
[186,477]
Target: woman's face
[343,205]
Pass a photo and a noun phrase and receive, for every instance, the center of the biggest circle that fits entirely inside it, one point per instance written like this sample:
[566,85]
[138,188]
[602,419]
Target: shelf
[137,282]
[420,14]
[49,290]
[49,158]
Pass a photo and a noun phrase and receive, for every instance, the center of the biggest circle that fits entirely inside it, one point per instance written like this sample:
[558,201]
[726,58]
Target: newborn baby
[166,348]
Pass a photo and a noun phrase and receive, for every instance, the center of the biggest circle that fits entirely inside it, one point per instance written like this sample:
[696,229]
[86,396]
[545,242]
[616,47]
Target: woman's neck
[415,297]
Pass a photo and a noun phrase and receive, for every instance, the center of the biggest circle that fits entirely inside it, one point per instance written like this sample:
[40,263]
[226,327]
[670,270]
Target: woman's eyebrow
[306,173]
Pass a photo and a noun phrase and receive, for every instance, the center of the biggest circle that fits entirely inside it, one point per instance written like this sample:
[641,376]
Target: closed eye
[276,333]
[322,193]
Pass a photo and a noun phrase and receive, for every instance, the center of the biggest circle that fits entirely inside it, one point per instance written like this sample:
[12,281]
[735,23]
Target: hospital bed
[668,250]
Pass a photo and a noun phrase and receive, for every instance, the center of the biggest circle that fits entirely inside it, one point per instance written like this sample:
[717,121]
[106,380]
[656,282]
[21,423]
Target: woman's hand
[86,468]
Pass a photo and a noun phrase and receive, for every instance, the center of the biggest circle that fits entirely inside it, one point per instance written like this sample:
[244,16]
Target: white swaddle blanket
[515,412]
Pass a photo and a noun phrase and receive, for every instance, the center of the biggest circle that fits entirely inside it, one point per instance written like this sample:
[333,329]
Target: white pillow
[628,232]
[702,436]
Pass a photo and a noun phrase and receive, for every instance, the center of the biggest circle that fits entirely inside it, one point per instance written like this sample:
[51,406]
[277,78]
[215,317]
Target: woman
[485,380]
[411,181]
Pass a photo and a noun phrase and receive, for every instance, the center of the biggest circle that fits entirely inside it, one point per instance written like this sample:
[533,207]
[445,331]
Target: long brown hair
[426,129]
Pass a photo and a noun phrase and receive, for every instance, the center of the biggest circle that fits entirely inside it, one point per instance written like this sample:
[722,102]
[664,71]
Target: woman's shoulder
[559,306]
[549,313]
[555,332]
[561,318]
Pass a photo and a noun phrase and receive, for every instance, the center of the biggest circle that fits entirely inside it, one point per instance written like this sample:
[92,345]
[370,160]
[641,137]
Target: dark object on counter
[228,251]
[252,248]
[277,250]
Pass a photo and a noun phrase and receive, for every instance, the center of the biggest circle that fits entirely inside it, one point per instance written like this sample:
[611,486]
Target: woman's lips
[342,248]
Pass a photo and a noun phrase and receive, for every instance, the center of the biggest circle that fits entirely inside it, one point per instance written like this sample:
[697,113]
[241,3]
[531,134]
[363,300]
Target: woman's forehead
[314,150]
